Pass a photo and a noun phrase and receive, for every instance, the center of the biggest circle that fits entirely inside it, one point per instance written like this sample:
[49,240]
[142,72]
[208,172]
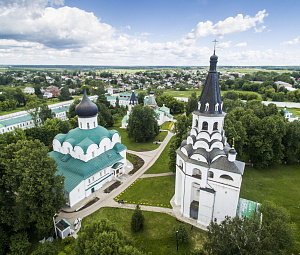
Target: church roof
[210,100]
[83,137]
[133,100]
[86,108]
[76,170]
[150,101]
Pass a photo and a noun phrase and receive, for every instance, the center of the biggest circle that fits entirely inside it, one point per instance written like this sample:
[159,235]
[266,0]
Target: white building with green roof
[89,155]
[162,113]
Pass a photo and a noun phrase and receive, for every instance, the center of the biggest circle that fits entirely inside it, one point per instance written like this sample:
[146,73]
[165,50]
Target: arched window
[68,150]
[80,124]
[204,125]
[215,126]
[197,173]
[88,125]
[94,124]
[210,174]
[227,177]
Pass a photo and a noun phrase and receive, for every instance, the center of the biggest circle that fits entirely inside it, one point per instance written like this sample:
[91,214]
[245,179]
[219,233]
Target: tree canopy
[273,235]
[102,237]
[30,186]
[142,123]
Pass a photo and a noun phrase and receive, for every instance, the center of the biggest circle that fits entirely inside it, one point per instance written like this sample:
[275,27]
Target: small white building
[289,115]
[208,176]
[89,155]
[63,228]
[29,90]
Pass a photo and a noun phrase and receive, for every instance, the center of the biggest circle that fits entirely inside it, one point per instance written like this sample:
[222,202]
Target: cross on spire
[215,41]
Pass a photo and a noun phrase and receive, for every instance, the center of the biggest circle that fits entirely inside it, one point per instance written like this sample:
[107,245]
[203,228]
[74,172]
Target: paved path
[157,175]
[149,158]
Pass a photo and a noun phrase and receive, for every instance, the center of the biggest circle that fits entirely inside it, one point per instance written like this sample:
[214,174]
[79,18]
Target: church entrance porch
[194,208]
[117,168]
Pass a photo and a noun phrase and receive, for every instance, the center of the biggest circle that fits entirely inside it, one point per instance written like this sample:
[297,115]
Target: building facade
[208,176]
[89,155]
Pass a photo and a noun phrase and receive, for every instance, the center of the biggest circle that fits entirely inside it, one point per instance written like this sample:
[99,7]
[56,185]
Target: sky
[144,33]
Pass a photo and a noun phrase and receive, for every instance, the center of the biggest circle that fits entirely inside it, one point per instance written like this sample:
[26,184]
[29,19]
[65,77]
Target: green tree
[4,241]
[19,244]
[142,123]
[137,219]
[291,141]
[71,114]
[28,184]
[45,113]
[182,234]
[46,248]
[191,104]
[273,235]
[181,126]
[64,94]
[102,237]
[33,108]
[140,97]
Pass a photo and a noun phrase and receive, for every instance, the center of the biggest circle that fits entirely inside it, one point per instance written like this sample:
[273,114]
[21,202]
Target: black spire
[133,100]
[86,108]
[210,101]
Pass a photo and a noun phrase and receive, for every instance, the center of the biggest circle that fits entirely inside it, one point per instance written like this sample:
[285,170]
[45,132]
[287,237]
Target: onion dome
[232,151]
[86,108]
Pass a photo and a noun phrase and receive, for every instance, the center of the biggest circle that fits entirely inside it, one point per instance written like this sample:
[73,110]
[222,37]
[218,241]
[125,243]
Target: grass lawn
[295,111]
[166,125]
[186,93]
[156,191]
[132,145]
[161,164]
[279,184]
[157,236]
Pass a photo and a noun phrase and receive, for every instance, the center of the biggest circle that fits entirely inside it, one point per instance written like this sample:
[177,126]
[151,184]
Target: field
[155,191]
[157,236]
[161,164]
[279,184]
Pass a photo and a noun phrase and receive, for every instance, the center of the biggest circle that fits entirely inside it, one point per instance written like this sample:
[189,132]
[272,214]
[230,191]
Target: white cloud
[231,25]
[224,45]
[63,27]
[31,32]
[243,44]
[260,29]
[292,42]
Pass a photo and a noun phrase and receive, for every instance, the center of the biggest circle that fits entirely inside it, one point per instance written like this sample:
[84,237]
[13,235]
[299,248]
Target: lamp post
[177,239]
[55,226]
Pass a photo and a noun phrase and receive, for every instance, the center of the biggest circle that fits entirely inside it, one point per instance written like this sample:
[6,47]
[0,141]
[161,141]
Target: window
[80,125]
[216,126]
[206,106]
[217,107]
[78,190]
[89,181]
[197,173]
[227,177]
[88,125]
[68,150]
[93,178]
[94,124]
[210,174]
[104,148]
[204,125]
[93,154]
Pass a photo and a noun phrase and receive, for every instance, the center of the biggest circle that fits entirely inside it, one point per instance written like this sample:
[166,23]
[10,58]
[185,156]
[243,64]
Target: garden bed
[136,161]
[115,185]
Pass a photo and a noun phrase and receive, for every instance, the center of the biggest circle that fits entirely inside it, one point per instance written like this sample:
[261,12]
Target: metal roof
[76,170]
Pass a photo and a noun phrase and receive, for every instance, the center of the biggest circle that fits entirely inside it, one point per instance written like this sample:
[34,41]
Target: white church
[162,113]
[89,155]
[208,176]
